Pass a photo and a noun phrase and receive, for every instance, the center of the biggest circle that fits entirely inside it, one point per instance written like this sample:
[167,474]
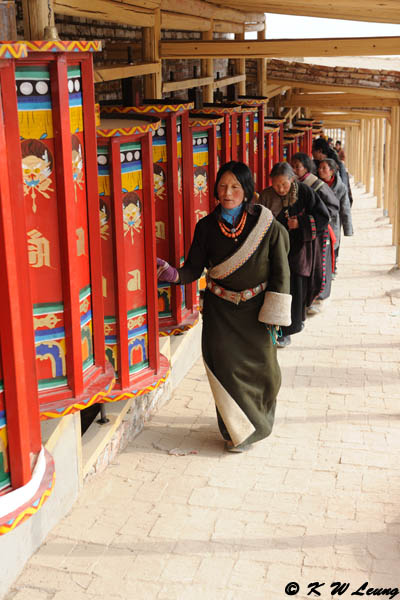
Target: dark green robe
[237,348]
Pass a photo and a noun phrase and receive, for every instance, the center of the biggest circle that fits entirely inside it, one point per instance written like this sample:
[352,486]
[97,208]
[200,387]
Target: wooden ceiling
[381,11]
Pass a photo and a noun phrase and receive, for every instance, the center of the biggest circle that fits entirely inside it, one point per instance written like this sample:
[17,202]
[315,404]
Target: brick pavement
[316,502]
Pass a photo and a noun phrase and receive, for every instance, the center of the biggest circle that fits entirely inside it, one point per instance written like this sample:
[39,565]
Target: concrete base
[62,439]
[78,458]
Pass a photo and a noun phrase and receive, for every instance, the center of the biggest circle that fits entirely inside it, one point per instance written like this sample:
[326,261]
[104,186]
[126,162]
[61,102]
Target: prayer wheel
[56,113]
[26,468]
[173,197]
[128,243]
[260,102]
[271,149]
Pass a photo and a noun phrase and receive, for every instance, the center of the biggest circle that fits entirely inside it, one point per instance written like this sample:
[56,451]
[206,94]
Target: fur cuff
[276,309]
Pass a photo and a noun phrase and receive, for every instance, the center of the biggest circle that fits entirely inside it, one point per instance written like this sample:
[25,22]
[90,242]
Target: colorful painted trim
[97,391]
[147,108]
[27,509]
[199,122]
[252,101]
[179,329]
[248,109]
[147,387]
[218,110]
[16,50]
[63,45]
[130,130]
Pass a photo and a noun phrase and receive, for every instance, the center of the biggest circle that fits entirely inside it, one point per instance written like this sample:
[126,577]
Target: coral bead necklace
[234,232]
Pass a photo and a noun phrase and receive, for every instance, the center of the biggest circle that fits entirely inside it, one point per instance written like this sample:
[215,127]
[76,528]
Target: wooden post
[395,178]
[150,51]
[240,67]
[37,16]
[386,185]
[371,153]
[207,67]
[262,66]
[378,172]
[8,23]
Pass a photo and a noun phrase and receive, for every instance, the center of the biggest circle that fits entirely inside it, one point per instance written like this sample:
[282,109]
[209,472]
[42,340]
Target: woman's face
[281,184]
[299,168]
[230,191]
[324,171]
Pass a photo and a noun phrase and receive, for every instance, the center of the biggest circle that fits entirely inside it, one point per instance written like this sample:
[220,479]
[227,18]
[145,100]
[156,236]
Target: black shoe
[283,341]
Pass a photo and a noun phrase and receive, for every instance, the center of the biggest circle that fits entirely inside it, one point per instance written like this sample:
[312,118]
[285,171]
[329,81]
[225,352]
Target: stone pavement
[316,502]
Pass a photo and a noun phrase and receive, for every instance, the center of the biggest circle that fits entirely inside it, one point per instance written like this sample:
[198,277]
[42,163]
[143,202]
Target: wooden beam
[223,81]
[151,40]
[184,22]
[205,9]
[354,89]
[185,84]
[108,11]
[356,114]
[240,67]
[333,100]
[207,69]
[254,27]
[36,18]
[369,46]
[8,21]
[368,10]
[262,66]
[122,72]
[227,27]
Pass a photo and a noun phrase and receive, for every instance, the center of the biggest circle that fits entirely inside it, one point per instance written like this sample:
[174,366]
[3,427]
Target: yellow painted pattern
[198,122]
[125,394]
[69,410]
[63,46]
[101,132]
[28,512]
[10,50]
[144,108]
[35,124]
[178,330]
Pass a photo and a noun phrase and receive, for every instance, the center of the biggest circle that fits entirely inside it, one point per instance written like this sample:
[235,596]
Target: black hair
[282,168]
[242,174]
[338,142]
[331,164]
[321,144]
[304,159]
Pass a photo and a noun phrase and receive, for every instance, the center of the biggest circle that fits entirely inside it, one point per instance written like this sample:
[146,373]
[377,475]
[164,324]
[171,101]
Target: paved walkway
[319,501]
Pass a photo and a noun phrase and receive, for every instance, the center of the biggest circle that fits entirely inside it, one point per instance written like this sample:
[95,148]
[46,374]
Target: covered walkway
[316,502]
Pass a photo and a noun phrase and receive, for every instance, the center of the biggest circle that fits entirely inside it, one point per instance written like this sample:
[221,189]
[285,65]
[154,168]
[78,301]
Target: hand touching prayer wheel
[245,252]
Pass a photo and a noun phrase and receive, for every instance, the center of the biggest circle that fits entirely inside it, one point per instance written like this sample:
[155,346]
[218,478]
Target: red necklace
[234,232]
[331,181]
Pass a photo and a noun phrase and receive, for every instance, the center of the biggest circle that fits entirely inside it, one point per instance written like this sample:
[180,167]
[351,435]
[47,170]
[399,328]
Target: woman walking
[304,215]
[328,172]
[247,296]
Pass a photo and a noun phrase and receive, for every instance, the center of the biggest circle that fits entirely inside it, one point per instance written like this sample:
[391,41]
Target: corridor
[316,503]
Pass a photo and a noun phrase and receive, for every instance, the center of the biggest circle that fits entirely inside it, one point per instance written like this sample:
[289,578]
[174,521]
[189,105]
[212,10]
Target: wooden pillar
[361,156]
[37,16]
[378,171]
[207,67]
[262,66]
[386,158]
[150,52]
[393,153]
[395,217]
[8,23]
[240,67]
[371,151]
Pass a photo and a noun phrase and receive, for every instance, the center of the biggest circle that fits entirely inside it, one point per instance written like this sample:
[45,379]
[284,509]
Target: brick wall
[72,28]
[328,75]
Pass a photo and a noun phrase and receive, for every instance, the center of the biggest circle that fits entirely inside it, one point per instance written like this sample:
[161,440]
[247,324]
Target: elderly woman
[304,215]
[247,296]
[303,166]
[328,172]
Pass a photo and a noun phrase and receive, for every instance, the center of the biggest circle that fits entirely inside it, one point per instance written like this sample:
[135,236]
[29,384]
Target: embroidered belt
[235,297]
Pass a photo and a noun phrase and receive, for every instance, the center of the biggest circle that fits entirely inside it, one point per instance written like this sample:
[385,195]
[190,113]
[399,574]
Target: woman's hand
[165,272]
[293,223]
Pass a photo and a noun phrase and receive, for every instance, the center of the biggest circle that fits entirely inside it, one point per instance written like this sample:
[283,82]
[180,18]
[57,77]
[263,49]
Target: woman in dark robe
[306,217]
[328,172]
[245,251]
[303,167]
